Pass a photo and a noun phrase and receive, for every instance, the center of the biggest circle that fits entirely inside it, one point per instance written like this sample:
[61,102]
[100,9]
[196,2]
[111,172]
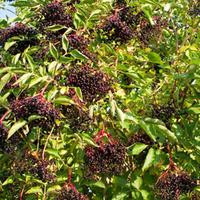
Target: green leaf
[23,78]
[56,27]
[154,58]
[9,44]
[4,80]
[121,115]
[15,58]
[53,152]
[137,148]
[9,180]
[63,100]
[53,51]
[149,159]
[99,184]
[78,55]
[15,127]
[79,93]
[88,140]
[65,43]
[37,80]
[30,61]
[54,188]
[34,190]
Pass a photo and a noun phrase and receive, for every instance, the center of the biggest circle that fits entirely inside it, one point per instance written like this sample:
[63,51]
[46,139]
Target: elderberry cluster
[10,145]
[106,159]
[171,185]
[68,193]
[93,84]
[80,43]
[164,113]
[114,29]
[41,170]
[54,13]
[141,138]
[19,29]
[148,32]
[36,105]
[77,117]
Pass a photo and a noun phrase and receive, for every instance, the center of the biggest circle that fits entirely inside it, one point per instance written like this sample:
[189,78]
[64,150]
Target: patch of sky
[7,10]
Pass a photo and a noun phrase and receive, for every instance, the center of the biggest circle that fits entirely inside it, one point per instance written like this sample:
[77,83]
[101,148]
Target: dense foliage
[100,100]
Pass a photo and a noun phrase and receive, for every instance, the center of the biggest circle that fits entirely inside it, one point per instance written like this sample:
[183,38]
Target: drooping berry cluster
[114,29]
[148,32]
[94,84]
[41,170]
[164,113]
[108,158]
[34,164]
[10,145]
[171,185]
[54,13]
[80,43]
[140,137]
[19,29]
[70,193]
[36,105]
[77,117]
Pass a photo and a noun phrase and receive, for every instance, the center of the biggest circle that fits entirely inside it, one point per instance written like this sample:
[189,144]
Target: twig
[4,116]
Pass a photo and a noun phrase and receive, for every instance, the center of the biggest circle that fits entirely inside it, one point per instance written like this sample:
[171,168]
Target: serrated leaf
[137,148]
[9,44]
[154,58]
[149,159]
[37,80]
[30,61]
[56,27]
[54,188]
[79,93]
[63,100]
[9,180]
[35,190]
[88,140]
[65,43]
[53,51]
[4,80]
[121,115]
[78,55]
[15,58]
[99,184]
[15,127]
[23,78]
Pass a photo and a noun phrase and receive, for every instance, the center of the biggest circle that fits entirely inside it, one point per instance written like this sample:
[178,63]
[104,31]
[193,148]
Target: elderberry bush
[94,84]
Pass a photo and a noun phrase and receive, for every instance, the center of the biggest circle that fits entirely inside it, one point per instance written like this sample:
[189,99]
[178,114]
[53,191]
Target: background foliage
[70,73]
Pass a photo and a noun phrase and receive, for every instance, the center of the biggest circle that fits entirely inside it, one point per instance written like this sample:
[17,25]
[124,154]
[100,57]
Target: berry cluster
[8,146]
[141,138]
[93,84]
[164,113]
[54,13]
[108,158]
[36,105]
[70,193]
[171,185]
[148,32]
[19,29]
[80,43]
[114,29]
[41,170]
[77,117]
